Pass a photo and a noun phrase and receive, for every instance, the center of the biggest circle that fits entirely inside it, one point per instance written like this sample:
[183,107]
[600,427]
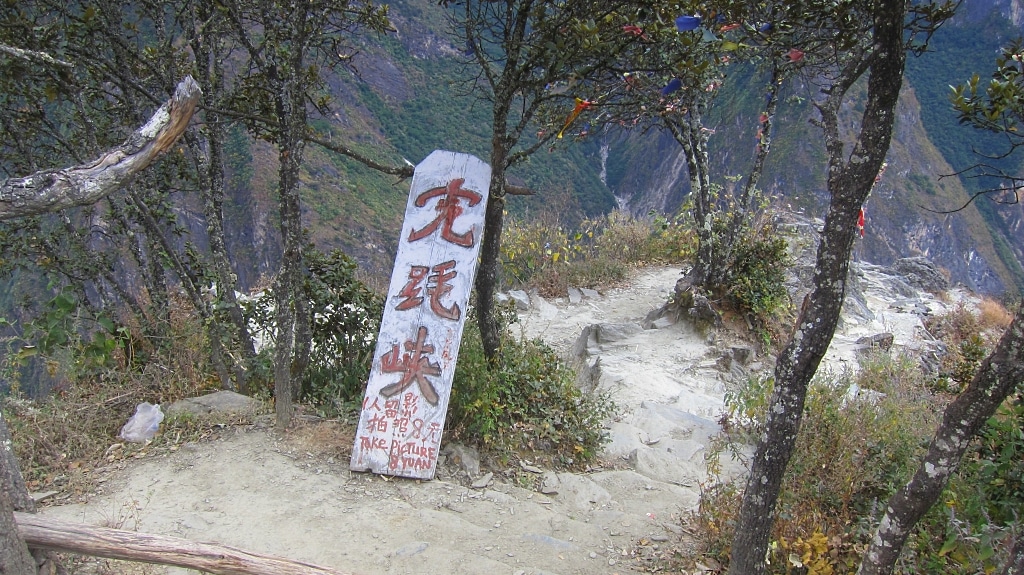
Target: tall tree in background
[874,37]
[287,46]
[125,255]
[56,189]
[529,54]
[669,80]
[132,251]
[208,39]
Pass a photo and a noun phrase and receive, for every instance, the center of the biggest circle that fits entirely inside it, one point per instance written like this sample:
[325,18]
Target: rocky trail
[293,495]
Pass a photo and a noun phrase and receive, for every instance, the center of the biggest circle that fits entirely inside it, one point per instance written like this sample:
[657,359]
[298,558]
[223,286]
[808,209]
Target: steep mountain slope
[411,96]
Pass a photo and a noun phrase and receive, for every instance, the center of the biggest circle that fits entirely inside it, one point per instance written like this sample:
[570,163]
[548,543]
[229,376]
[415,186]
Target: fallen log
[48,533]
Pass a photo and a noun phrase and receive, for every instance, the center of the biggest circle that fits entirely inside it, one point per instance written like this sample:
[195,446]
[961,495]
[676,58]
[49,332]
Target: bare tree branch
[975,196]
[52,190]
[517,190]
[33,56]
[402,171]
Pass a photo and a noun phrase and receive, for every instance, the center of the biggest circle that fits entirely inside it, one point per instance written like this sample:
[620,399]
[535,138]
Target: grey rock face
[921,273]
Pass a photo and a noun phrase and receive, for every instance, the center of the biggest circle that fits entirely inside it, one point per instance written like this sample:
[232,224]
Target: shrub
[966,531]
[528,403]
[756,276]
[672,240]
[623,238]
[60,437]
[851,454]
[969,336]
[346,318]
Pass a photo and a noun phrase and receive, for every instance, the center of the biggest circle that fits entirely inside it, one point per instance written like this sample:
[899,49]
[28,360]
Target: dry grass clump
[969,335]
[993,315]
[73,430]
[595,253]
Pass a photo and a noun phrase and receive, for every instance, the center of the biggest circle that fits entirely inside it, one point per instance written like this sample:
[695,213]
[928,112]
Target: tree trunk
[995,380]
[288,286]
[849,182]
[190,283]
[688,133]
[15,558]
[291,116]
[1015,563]
[487,273]
[303,334]
[490,250]
[207,48]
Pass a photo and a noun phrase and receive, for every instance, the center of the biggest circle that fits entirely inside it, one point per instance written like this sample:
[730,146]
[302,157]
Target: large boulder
[218,402]
[921,273]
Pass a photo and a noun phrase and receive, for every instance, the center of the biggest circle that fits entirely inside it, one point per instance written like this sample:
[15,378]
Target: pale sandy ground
[255,489]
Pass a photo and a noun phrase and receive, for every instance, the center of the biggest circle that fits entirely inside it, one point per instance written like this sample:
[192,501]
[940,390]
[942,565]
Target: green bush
[346,319]
[529,403]
[850,455]
[757,274]
[344,326]
[672,240]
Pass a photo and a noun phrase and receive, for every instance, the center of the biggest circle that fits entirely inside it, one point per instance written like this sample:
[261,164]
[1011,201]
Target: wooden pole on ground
[48,533]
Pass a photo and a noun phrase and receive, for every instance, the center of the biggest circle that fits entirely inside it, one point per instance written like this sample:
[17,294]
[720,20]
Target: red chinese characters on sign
[419,449]
[438,287]
[449,208]
[410,382]
[414,365]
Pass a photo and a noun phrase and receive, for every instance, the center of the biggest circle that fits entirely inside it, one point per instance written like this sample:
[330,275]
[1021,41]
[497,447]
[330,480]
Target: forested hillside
[410,97]
[210,213]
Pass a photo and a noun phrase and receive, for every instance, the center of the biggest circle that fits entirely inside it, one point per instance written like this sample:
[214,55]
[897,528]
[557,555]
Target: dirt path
[254,489]
[294,495]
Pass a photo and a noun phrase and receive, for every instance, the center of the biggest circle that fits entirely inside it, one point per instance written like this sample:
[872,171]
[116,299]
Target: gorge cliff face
[904,212]
[407,100]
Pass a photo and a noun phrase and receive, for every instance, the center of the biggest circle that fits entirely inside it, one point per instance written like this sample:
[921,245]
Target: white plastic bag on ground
[144,424]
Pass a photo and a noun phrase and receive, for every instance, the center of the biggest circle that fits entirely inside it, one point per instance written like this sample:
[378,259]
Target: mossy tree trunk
[994,381]
[15,558]
[849,182]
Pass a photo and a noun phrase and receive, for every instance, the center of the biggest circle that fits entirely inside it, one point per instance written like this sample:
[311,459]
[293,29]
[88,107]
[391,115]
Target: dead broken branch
[51,190]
